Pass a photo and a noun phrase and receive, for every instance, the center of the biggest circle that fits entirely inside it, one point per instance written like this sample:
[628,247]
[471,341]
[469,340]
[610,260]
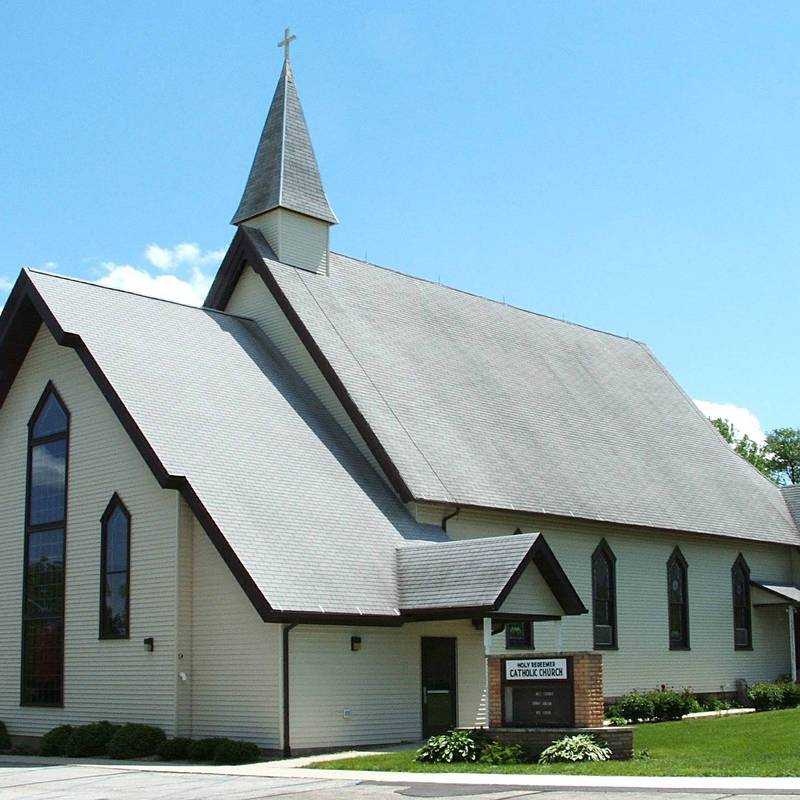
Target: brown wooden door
[438,685]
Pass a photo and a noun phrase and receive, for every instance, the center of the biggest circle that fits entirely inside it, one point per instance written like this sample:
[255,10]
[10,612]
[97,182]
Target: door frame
[453,640]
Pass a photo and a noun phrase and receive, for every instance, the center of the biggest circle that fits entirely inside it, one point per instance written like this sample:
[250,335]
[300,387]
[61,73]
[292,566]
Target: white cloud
[188,281]
[191,290]
[185,254]
[5,284]
[743,420]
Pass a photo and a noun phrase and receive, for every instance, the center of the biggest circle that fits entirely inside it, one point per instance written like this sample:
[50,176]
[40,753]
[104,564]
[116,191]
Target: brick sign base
[585,676]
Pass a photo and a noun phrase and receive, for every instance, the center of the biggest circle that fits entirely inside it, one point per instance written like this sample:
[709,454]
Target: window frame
[677,558]
[114,503]
[604,551]
[50,525]
[528,644]
[741,566]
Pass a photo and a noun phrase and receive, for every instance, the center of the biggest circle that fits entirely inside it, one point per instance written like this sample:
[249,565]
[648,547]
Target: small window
[678,599]
[115,571]
[518,635]
[604,597]
[742,622]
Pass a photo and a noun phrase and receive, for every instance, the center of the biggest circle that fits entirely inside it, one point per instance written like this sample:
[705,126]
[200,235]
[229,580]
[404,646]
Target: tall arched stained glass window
[604,597]
[678,600]
[45,530]
[742,622]
[115,541]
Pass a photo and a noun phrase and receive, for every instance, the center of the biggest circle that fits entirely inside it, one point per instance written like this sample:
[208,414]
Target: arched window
[115,572]
[45,529]
[604,597]
[742,623]
[678,599]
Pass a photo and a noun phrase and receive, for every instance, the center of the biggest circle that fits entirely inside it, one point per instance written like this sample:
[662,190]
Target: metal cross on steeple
[287,40]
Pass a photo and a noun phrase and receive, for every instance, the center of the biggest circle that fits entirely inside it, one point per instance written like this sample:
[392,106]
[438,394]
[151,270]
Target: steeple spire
[285,172]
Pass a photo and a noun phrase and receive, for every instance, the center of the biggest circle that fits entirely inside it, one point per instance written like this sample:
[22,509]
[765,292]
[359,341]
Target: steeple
[285,177]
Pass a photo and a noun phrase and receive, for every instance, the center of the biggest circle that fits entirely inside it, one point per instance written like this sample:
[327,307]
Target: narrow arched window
[678,599]
[45,532]
[604,597]
[115,571]
[742,622]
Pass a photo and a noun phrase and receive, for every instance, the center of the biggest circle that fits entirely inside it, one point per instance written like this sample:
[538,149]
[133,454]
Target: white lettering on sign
[540,669]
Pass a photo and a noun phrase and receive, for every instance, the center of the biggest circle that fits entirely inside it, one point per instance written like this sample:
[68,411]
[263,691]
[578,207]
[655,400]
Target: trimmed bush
[634,707]
[450,748]
[669,704]
[136,741]
[204,749]
[5,739]
[499,753]
[90,740]
[54,742]
[175,749]
[231,752]
[581,747]
[791,695]
[766,696]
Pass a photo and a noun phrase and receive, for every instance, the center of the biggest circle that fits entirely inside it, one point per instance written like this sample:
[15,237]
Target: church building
[304,513]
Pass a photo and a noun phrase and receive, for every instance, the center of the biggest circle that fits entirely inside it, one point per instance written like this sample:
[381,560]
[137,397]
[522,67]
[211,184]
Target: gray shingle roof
[479,403]
[471,572]
[789,593]
[791,494]
[284,171]
[303,511]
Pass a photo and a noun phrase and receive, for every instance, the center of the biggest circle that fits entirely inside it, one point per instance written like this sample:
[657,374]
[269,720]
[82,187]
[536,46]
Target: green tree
[751,451]
[783,448]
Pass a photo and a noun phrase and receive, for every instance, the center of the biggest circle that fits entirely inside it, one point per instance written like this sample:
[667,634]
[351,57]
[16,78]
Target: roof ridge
[135,294]
[487,299]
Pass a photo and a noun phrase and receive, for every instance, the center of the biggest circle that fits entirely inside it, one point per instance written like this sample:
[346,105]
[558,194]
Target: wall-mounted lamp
[355,643]
[149,644]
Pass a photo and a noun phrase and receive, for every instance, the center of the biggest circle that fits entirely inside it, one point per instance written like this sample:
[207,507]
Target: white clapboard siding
[643,659]
[235,656]
[117,679]
[296,239]
[380,685]
[252,299]
[183,605]
[531,591]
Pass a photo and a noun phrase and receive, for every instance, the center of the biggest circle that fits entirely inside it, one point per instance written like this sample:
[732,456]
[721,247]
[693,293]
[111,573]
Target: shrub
[136,741]
[791,695]
[634,707]
[175,749]
[642,755]
[581,747]
[90,740]
[715,704]
[766,696]
[617,721]
[499,753]
[54,742]
[450,747]
[670,704]
[5,739]
[204,749]
[231,752]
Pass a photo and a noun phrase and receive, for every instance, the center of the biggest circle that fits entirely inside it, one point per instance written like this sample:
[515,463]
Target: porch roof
[777,594]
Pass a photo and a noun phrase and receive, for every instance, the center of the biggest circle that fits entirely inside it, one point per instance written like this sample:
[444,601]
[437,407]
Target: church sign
[538,692]
[543,669]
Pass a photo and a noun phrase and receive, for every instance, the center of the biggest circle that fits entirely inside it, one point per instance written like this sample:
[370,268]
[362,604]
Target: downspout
[287,748]
[450,516]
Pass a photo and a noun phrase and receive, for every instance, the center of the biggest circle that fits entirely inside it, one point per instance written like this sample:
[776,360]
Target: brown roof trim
[243,250]
[17,331]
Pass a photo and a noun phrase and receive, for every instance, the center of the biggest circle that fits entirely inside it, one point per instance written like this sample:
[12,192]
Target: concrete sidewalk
[285,769]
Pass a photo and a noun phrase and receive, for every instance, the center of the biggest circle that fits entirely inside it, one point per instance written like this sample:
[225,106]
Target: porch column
[487,646]
[792,658]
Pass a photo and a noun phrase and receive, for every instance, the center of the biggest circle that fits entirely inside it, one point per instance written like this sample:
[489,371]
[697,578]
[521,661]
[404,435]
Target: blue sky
[631,166]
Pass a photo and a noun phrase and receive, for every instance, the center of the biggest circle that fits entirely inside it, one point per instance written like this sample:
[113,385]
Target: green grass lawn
[765,744]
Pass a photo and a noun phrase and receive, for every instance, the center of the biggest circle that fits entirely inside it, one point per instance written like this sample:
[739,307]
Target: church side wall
[380,685]
[235,661]
[104,679]
[644,660]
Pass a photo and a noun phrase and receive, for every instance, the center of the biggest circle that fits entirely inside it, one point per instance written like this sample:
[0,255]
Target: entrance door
[438,684]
